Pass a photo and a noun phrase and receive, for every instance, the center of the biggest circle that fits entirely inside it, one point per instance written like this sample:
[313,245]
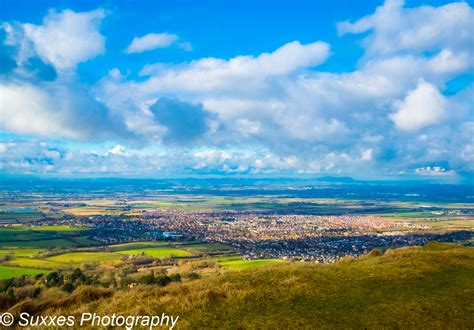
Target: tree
[68,287]
[53,279]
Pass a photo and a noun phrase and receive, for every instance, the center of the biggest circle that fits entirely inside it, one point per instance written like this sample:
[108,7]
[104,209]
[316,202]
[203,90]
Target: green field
[19,217]
[247,264]
[85,257]
[135,245]
[46,243]
[20,252]
[57,228]
[35,263]
[222,258]
[9,272]
[158,252]
[207,247]
[82,240]
[20,236]
[25,257]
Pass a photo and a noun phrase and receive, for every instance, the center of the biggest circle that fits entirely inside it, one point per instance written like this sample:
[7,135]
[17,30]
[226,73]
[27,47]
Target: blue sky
[251,88]
[218,29]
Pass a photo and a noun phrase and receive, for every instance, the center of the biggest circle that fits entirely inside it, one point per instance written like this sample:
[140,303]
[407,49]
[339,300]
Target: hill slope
[417,287]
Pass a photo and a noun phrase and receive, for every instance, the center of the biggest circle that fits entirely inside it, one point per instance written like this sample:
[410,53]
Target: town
[259,235]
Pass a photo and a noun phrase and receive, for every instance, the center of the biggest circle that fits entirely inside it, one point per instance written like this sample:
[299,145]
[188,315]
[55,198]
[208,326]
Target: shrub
[25,292]
[375,253]
[68,287]
[193,276]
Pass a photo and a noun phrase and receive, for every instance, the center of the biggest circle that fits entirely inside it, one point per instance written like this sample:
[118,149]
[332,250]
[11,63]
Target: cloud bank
[269,113]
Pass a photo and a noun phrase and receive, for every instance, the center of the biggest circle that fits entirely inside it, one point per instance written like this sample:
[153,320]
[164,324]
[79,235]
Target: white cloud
[67,38]
[434,171]
[118,150]
[248,127]
[446,61]
[275,108]
[425,28]
[29,110]
[213,73]
[423,106]
[152,41]
[35,100]
[366,154]
[53,110]
[233,80]
[279,101]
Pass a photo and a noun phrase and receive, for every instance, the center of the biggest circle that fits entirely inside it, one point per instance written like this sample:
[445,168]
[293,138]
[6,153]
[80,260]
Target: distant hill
[336,179]
[417,287]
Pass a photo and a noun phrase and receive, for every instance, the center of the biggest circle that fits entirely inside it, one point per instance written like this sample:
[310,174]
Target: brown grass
[429,287]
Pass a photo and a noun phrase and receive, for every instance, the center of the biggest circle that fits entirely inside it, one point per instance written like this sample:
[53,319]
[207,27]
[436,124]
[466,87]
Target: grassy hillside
[419,287]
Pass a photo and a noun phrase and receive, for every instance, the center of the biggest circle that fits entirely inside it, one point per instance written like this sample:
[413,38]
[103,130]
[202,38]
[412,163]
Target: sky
[367,89]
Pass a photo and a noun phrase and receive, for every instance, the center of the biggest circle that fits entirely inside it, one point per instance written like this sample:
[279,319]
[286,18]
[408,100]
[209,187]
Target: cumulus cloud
[245,79]
[56,110]
[272,112]
[38,98]
[213,73]
[331,121]
[152,41]
[184,122]
[395,29]
[434,171]
[366,154]
[64,39]
[35,157]
[423,106]
[26,157]
[118,150]
[22,111]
